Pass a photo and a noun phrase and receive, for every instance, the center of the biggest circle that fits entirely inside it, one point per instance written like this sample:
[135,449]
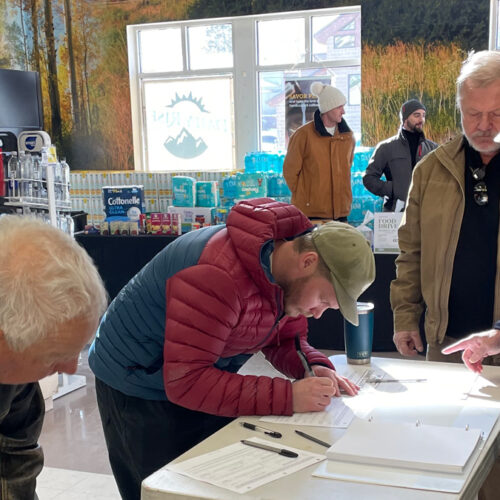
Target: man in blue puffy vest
[168,350]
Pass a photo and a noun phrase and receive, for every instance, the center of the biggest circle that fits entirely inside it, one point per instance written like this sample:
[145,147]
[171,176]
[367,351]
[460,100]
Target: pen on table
[254,427]
[402,380]
[302,356]
[312,438]
[279,451]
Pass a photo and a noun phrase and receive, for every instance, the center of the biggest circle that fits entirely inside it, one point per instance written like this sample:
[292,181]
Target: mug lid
[365,307]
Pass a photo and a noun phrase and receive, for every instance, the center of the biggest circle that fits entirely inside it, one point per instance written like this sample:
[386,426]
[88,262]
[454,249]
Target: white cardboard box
[189,214]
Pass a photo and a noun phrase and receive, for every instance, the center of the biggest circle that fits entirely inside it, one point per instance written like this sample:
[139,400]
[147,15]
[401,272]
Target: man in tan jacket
[448,265]
[317,166]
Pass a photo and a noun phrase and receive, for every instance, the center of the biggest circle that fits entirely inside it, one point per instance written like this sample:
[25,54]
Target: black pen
[254,427]
[302,356]
[312,438]
[401,380]
[279,451]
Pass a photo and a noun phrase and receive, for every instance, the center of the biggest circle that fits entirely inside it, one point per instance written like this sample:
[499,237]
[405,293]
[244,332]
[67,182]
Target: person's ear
[3,343]
[309,263]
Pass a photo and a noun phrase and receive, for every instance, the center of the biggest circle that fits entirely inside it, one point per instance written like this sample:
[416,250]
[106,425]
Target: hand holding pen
[303,359]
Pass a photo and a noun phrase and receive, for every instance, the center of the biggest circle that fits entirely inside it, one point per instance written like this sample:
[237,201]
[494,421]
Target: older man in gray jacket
[395,157]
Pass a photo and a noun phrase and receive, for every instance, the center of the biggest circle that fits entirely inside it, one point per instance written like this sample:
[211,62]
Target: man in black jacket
[395,158]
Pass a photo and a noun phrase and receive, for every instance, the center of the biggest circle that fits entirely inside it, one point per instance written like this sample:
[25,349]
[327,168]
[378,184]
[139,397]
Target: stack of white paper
[411,446]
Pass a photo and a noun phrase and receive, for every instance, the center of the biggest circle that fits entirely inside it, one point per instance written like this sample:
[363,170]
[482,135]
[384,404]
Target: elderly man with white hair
[51,299]
[448,265]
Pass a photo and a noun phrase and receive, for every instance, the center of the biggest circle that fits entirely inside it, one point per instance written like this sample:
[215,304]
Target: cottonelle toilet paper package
[123,202]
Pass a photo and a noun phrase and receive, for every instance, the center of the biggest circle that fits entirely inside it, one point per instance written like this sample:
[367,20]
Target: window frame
[245,74]
[494,38]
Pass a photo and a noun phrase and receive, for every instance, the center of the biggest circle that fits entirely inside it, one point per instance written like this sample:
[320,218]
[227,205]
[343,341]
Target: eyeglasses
[480,189]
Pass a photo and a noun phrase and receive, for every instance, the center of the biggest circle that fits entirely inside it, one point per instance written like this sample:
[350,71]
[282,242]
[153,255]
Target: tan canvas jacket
[428,238]
[317,170]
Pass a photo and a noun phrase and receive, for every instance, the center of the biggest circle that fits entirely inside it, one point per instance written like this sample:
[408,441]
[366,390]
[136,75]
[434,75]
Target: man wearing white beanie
[317,165]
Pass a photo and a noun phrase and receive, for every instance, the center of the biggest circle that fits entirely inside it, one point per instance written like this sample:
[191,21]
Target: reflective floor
[76,460]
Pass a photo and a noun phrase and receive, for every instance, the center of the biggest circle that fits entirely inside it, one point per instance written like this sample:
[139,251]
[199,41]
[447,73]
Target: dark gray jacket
[21,459]
[392,159]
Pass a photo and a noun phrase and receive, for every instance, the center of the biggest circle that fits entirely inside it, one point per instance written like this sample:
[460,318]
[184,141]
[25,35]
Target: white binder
[410,446]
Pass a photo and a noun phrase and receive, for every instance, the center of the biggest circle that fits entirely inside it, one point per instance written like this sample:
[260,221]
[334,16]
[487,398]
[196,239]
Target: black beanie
[410,107]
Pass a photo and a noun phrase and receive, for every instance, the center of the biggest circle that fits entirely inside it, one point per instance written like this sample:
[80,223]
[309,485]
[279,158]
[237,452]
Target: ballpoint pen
[312,438]
[254,427]
[401,380]
[279,451]
[302,356]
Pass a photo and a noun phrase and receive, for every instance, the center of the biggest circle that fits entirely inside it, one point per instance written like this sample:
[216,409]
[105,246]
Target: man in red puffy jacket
[167,352]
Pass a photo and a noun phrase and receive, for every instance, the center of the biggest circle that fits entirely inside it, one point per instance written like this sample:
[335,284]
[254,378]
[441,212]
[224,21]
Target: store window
[150,40]
[354,90]
[281,42]
[229,86]
[210,46]
[344,41]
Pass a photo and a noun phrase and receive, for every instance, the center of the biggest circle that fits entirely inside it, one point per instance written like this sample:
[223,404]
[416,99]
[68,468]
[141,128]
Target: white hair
[46,279]
[480,69]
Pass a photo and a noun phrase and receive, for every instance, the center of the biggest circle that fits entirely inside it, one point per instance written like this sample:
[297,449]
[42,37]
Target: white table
[302,485]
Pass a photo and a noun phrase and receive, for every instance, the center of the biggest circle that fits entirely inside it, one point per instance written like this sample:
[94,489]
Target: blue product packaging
[184,191]
[229,187]
[250,160]
[207,194]
[221,215]
[277,187]
[122,202]
[250,186]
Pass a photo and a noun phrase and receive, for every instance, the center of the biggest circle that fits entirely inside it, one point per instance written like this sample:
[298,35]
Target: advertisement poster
[385,232]
[300,104]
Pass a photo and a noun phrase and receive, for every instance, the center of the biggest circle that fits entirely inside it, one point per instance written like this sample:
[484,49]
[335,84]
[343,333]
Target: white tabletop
[399,402]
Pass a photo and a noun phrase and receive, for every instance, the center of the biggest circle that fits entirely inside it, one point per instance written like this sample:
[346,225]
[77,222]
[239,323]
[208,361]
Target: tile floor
[76,460]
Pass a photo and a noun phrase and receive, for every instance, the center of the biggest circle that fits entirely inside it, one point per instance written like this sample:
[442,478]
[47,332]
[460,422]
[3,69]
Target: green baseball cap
[350,259]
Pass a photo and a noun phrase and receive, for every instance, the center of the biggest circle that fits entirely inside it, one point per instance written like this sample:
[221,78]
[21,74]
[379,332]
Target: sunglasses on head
[480,190]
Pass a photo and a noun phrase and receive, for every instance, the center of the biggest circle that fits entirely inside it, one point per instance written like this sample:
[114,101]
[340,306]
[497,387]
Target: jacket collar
[452,157]
[403,138]
[320,128]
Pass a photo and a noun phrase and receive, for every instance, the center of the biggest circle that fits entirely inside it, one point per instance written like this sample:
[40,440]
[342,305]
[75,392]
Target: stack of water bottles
[270,166]
[264,162]
[26,178]
[362,199]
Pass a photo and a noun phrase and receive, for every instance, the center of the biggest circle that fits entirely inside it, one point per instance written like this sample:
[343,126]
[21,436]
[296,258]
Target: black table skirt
[119,258]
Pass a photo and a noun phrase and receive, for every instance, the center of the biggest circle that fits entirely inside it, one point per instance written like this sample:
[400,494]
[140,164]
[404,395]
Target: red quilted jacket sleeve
[196,337]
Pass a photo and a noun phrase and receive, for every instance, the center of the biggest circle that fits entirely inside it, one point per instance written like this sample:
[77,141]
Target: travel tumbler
[358,340]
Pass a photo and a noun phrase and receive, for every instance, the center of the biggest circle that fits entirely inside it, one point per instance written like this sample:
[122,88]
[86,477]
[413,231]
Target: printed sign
[385,232]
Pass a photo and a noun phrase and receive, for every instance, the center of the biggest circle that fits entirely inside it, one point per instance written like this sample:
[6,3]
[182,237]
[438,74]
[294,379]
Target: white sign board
[385,232]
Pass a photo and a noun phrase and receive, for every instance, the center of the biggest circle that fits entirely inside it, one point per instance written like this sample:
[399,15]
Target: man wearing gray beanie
[397,156]
[317,166]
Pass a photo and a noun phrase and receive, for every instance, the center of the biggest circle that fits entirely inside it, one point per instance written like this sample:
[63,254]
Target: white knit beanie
[328,97]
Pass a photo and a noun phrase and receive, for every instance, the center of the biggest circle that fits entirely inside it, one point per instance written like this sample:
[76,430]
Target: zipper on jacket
[278,318]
